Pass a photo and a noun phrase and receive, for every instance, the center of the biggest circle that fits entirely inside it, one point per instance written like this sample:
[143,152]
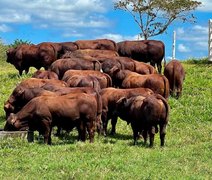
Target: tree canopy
[154,16]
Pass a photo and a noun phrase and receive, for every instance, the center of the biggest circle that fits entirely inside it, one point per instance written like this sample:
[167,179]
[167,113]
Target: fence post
[210,41]
[173,45]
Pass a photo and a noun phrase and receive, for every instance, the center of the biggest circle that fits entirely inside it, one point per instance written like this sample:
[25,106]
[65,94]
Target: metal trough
[29,135]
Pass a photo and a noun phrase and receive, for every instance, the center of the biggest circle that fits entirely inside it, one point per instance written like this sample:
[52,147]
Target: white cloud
[200,29]
[55,13]
[183,48]
[180,31]
[196,36]
[206,6]
[12,16]
[4,28]
[118,37]
[72,34]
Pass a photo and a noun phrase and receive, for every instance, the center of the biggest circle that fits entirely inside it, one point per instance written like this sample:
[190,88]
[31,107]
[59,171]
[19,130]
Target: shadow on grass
[140,143]
[57,141]
[112,139]
[120,136]
[66,138]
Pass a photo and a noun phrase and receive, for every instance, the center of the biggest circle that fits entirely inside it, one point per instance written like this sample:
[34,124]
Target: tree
[18,42]
[154,16]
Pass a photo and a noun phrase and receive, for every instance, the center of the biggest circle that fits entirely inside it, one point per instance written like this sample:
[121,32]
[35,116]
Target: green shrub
[18,42]
[198,61]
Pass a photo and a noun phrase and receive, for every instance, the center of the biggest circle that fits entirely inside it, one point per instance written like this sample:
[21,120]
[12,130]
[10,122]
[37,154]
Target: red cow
[44,74]
[144,50]
[175,73]
[103,78]
[145,115]
[103,44]
[109,98]
[60,66]
[68,111]
[127,79]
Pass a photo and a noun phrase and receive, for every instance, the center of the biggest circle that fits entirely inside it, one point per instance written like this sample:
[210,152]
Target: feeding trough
[29,135]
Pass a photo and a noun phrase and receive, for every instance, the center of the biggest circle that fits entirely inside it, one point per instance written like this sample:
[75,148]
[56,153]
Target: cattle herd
[86,83]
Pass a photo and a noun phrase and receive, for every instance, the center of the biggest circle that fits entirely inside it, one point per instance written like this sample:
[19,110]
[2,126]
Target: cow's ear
[122,101]
[11,115]
[114,70]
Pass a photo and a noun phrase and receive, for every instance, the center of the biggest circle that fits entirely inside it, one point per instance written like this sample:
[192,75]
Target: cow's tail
[109,80]
[166,87]
[173,81]
[97,65]
[121,65]
[99,111]
[77,46]
[96,85]
[158,96]
[56,54]
[115,46]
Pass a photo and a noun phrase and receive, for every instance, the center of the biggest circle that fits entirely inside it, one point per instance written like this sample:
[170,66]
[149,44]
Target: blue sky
[69,20]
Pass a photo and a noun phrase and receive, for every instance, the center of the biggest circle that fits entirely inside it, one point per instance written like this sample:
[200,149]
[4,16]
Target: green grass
[186,155]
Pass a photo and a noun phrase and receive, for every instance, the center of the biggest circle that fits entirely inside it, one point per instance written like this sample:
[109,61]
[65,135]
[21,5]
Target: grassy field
[186,155]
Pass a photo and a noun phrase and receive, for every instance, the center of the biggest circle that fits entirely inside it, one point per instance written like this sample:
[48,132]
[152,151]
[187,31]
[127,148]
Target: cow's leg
[59,130]
[49,138]
[159,67]
[79,129]
[20,72]
[99,124]
[46,136]
[79,133]
[45,125]
[82,134]
[30,136]
[152,63]
[90,129]
[144,134]
[178,94]
[135,133]
[162,134]
[151,136]
[104,122]
[27,70]
[179,90]
[113,123]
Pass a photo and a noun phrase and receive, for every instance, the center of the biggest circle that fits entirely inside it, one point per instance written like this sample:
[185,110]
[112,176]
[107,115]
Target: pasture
[186,155]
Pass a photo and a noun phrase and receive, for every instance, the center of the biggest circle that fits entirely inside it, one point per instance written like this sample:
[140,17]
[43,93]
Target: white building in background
[210,41]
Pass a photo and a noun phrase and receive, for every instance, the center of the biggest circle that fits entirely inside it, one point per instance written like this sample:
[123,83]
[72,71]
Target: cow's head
[122,108]
[17,94]
[14,124]
[11,55]
[8,108]
[15,100]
